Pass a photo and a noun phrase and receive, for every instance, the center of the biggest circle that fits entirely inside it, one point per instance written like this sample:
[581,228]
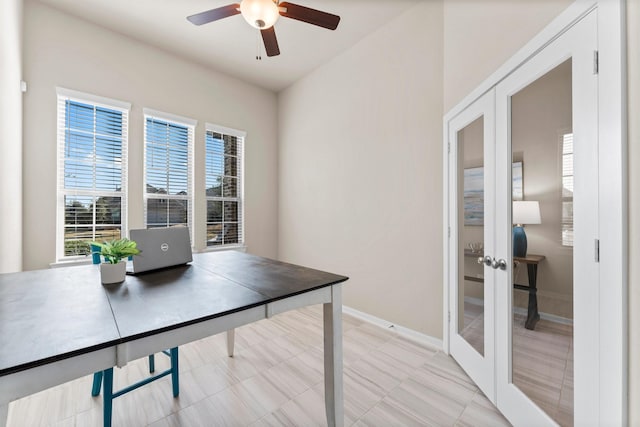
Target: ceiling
[230,45]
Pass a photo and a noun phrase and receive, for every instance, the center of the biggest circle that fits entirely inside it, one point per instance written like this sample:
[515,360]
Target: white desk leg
[4,414]
[333,394]
[231,339]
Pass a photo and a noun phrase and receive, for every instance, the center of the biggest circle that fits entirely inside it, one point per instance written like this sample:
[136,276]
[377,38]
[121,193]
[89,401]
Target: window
[567,189]
[168,170]
[224,186]
[92,178]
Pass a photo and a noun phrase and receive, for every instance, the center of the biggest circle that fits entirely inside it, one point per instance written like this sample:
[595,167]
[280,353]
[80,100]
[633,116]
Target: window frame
[190,124]
[62,96]
[241,136]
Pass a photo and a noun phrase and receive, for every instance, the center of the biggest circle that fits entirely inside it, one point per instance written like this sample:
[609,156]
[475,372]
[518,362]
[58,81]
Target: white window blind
[168,171]
[224,186]
[567,189]
[92,178]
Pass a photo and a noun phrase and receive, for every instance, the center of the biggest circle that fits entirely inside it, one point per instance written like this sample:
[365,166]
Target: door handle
[499,264]
[486,260]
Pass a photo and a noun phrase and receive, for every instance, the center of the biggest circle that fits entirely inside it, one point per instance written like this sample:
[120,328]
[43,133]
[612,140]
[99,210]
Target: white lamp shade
[526,212]
[260,14]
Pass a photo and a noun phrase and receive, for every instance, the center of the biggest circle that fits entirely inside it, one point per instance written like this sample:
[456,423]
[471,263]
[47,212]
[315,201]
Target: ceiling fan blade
[310,16]
[214,14]
[270,41]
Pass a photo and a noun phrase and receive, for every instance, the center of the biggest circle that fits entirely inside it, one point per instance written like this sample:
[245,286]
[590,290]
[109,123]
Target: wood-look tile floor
[542,361]
[276,379]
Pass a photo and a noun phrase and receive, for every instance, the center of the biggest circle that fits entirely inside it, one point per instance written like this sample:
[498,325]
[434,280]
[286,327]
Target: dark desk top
[47,315]
[274,279]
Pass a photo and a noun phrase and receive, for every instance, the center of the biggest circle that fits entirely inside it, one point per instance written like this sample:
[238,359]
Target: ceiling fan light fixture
[261,14]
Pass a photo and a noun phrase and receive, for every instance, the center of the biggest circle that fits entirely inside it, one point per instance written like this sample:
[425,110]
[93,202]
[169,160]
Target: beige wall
[10,136]
[633,81]
[361,170]
[64,51]
[479,36]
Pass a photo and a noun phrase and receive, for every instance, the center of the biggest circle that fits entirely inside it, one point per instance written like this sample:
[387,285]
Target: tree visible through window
[91,140]
[567,189]
[224,188]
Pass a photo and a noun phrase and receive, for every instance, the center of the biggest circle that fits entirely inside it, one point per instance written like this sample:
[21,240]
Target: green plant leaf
[115,250]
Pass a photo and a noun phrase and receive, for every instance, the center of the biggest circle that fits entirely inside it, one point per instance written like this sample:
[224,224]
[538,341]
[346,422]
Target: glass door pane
[471,214]
[542,242]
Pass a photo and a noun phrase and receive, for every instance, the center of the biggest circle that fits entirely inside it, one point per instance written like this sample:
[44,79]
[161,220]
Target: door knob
[499,264]
[486,260]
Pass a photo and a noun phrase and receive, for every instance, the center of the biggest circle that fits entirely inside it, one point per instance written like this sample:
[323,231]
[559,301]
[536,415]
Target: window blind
[567,189]
[168,172]
[92,178]
[224,186]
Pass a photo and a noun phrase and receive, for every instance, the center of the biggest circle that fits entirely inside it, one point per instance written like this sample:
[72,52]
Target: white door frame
[612,332]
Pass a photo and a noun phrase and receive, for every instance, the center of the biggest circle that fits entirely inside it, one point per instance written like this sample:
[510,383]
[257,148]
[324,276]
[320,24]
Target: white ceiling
[230,45]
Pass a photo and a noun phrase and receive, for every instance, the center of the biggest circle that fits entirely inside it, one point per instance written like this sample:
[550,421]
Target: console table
[532,261]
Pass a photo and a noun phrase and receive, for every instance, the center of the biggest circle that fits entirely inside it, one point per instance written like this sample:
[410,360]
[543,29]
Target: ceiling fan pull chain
[258,47]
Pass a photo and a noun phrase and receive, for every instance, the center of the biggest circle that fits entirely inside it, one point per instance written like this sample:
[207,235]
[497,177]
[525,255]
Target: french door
[472,175]
[533,137]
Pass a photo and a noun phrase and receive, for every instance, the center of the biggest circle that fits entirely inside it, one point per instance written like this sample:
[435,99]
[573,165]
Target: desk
[532,262]
[61,324]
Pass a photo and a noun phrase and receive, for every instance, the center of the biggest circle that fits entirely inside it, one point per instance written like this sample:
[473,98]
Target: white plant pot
[113,273]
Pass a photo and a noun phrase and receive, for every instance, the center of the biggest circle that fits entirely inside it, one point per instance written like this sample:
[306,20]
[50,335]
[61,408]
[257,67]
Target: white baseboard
[410,334]
[523,311]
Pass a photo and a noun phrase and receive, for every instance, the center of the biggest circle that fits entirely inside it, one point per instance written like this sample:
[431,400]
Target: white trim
[613,220]
[408,333]
[209,127]
[148,112]
[94,99]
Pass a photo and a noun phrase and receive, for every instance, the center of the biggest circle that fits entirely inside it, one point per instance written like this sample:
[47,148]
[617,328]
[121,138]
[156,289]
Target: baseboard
[410,334]
[523,311]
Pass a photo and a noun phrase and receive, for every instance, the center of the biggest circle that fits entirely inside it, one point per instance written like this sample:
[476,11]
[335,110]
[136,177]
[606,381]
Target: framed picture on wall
[474,192]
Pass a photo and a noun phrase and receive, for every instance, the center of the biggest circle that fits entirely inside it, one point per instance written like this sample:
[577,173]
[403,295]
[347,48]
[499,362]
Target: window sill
[71,263]
[241,248]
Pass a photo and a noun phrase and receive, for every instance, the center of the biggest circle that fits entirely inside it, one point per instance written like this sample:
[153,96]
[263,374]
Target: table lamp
[524,212]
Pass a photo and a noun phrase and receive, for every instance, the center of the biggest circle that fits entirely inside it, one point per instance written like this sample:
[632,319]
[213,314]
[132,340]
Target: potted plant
[115,253]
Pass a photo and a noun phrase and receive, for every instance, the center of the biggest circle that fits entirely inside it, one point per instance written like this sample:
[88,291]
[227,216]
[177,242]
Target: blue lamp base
[519,241]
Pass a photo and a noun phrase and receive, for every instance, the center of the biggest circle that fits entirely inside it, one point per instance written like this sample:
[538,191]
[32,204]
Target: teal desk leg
[174,372]
[152,363]
[108,396]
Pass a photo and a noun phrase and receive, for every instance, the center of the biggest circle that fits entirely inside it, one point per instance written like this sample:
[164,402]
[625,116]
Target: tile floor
[276,379]
[542,361]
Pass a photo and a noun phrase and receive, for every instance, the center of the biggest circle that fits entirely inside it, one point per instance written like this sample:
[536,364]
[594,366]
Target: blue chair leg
[108,396]
[175,381]
[152,363]
[97,383]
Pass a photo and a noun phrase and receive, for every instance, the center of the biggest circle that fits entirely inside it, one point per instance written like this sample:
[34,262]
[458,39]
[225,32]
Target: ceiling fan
[262,14]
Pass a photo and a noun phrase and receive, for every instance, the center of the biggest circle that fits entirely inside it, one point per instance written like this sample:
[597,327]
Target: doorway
[524,213]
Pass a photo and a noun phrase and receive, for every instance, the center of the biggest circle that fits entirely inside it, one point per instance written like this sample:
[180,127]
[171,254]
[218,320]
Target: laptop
[160,248]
